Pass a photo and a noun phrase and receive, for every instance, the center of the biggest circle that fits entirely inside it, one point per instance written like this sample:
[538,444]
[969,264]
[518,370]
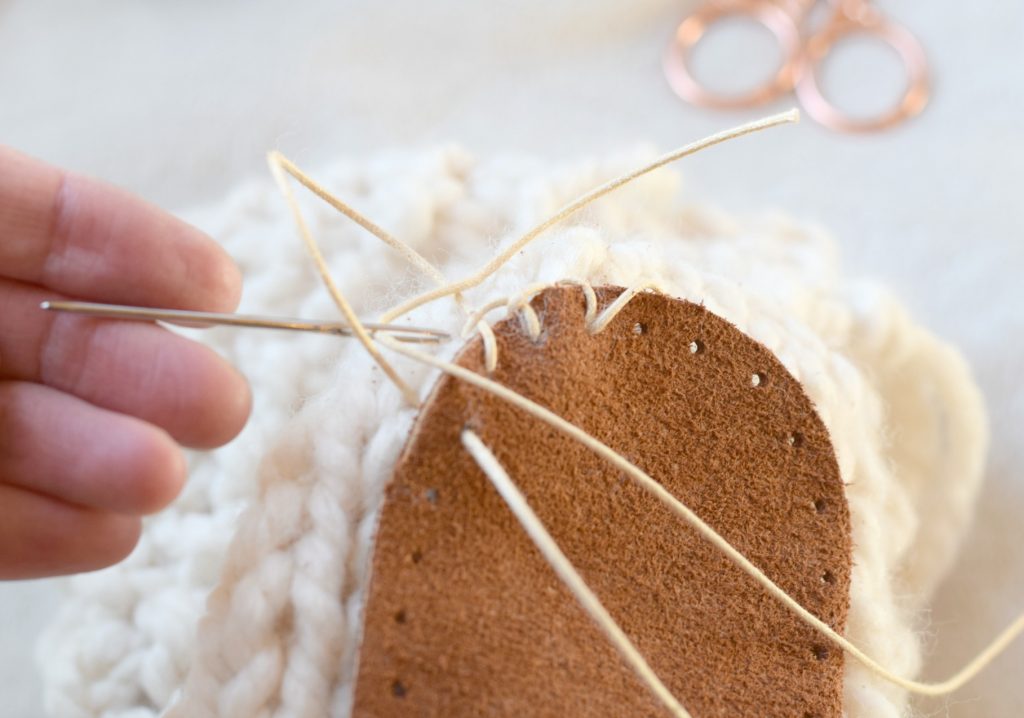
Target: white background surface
[179,100]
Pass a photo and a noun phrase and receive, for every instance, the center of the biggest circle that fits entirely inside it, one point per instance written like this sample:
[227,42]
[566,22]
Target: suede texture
[464,616]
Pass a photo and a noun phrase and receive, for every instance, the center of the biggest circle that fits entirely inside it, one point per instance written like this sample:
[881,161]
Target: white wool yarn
[244,598]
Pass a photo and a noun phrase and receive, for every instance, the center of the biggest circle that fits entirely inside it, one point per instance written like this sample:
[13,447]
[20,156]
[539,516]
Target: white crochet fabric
[279,523]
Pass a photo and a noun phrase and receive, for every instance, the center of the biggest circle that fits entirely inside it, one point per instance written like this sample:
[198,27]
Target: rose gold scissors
[802,57]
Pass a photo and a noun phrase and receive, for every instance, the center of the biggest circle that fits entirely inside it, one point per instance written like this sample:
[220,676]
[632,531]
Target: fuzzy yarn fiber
[244,598]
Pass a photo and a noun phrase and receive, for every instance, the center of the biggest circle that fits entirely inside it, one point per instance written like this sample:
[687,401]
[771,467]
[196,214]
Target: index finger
[84,238]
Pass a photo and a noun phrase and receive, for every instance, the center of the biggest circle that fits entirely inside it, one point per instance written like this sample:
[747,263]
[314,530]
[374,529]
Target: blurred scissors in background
[802,57]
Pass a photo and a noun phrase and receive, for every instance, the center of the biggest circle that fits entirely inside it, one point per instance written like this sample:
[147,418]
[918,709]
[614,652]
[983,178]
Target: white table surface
[179,100]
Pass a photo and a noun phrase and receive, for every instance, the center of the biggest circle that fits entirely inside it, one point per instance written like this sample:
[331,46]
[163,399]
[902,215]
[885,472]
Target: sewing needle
[204,320]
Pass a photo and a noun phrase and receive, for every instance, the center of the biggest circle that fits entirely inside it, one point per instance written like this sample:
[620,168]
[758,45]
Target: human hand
[92,410]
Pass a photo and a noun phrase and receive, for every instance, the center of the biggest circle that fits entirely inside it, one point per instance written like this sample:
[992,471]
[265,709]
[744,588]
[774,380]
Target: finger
[42,536]
[86,239]
[134,368]
[55,444]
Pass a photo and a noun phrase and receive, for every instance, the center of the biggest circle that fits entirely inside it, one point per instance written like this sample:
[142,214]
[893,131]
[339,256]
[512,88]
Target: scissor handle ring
[899,39]
[678,56]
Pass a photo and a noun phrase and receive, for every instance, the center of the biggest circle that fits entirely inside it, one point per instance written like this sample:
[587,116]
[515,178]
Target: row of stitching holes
[696,346]
[398,689]
[757,379]
[796,440]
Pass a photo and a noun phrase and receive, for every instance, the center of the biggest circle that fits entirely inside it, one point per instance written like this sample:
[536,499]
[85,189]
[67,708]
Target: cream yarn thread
[923,688]
[278,168]
[520,303]
[595,323]
[602,320]
[280,164]
[570,209]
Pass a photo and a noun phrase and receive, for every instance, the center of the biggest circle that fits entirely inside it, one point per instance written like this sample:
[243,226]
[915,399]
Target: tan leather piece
[464,616]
